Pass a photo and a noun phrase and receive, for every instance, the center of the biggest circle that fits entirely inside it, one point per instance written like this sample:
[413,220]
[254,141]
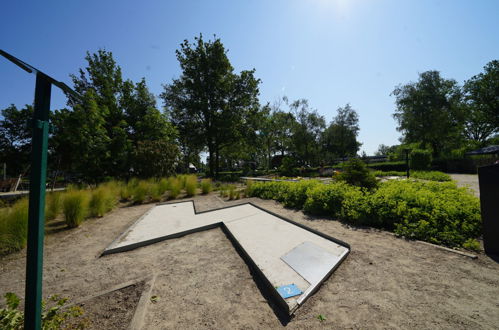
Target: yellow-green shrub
[191,183]
[102,200]
[140,192]
[206,186]
[53,205]
[14,227]
[174,187]
[75,207]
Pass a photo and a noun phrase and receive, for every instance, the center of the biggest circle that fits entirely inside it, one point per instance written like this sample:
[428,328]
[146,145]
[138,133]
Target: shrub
[355,172]
[232,192]
[140,192]
[420,159]
[436,212]
[328,199]
[206,186]
[191,183]
[14,227]
[222,190]
[174,187]
[163,186]
[472,244]
[155,191]
[431,176]
[75,207]
[379,173]
[57,317]
[102,200]
[53,205]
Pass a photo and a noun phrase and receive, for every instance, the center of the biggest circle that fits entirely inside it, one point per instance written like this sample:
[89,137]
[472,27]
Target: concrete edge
[137,321]
[465,254]
[158,239]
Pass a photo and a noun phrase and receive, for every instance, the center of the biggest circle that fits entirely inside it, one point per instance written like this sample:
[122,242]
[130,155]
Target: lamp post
[407,151]
[36,211]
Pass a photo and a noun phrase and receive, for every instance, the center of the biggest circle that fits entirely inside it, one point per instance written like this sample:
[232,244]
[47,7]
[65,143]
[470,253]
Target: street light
[36,211]
[407,151]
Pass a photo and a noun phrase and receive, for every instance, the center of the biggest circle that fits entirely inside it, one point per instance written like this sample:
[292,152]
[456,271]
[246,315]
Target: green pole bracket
[36,211]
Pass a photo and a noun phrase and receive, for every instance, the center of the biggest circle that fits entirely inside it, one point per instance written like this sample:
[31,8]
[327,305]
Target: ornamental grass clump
[102,200]
[155,191]
[75,207]
[53,205]
[191,183]
[174,187]
[14,227]
[140,192]
[206,186]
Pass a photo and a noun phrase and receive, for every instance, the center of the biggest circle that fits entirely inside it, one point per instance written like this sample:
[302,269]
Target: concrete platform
[281,252]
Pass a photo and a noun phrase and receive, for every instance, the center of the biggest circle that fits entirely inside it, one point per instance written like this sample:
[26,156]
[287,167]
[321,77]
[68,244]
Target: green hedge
[436,212]
[423,175]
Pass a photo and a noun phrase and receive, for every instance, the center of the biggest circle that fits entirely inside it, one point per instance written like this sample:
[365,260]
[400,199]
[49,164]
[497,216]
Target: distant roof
[485,151]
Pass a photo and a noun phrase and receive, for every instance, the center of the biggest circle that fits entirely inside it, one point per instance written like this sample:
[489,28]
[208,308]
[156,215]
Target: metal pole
[407,161]
[36,213]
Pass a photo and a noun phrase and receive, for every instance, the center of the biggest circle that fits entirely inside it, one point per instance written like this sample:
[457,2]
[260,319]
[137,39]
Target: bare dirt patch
[201,281]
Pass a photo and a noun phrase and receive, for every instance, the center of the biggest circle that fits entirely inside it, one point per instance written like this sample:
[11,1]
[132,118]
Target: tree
[428,112]
[306,132]
[340,137]
[482,104]
[209,104]
[15,138]
[384,150]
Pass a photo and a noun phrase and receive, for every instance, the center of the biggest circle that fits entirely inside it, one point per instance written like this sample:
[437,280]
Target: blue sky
[328,51]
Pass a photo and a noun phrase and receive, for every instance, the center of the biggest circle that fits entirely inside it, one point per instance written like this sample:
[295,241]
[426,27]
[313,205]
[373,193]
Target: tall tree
[340,137]
[306,132]
[482,104]
[15,138]
[209,103]
[428,112]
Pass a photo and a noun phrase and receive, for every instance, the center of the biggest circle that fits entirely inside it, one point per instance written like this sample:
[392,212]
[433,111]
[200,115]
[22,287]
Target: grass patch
[14,227]
[190,184]
[174,187]
[206,186]
[140,192]
[53,205]
[75,207]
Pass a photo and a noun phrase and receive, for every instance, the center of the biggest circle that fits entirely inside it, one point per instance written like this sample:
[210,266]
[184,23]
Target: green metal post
[36,213]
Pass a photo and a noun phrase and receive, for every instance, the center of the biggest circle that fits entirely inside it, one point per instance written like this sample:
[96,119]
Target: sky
[331,52]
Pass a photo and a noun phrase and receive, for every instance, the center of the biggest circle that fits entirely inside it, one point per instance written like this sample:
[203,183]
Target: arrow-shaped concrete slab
[282,252]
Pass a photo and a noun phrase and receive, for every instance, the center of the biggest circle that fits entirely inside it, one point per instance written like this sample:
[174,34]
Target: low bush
[232,192]
[174,187]
[140,192]
[56,317]
[163,186]
[379,173]
[14,227]
[102,200]
[356,173]
[431,176]
[206,186]
[53,205]
[75,207]
[436,212]
[155,191]
[191,184]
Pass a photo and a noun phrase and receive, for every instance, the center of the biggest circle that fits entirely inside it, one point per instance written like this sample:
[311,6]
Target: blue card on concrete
[287,291]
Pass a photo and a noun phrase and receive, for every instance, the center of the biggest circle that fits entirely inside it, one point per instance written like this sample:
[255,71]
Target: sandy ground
[467,180]
[201,281]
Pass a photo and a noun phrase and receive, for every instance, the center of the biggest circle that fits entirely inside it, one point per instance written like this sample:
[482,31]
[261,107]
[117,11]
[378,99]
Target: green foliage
[471,244]
[162,186]
[422,175]
[191,184]
[232,192]
[430,175]
[355,172]
[420,159]
[140,192]
[53,205]
[429,112]
[14,227]
[288,167]
[155,191]
[102,200]
[436,212]
[55,317]
[206,186]
[174,187]
[75,207]
[340,138]
[209,103]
